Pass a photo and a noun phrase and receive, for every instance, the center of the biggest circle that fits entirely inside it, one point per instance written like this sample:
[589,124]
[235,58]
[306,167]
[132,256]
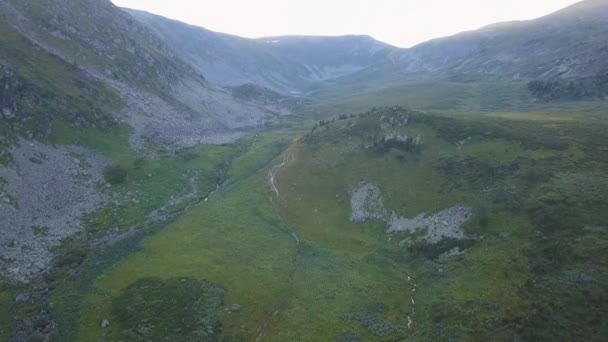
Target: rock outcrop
[366,204]
[443,225]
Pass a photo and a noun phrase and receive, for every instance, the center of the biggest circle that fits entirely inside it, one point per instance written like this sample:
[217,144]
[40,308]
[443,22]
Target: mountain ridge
[285,63]
[559,44]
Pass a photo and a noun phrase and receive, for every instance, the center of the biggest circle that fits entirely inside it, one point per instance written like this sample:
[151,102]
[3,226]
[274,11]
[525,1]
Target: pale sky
[402,23]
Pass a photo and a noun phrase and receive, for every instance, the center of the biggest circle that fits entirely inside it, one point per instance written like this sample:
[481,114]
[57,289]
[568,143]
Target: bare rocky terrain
[442,225]
[120,73]
[366,203]
[43,197]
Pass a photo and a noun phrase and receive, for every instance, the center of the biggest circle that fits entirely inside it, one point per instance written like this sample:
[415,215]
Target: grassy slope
[323,174]
[68,299]
[243,239]
[49,88]
[491,283]
[485,96]
[7,298]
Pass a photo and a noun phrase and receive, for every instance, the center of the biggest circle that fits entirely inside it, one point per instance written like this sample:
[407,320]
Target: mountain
[286,64]
[85,91]
[163,98]
[569,43]
[158,181]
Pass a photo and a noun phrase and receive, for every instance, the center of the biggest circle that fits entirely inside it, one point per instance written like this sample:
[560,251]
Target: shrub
[115,174]
[174,309]
[484,214]
[139,163]
[423,249]
[187,154]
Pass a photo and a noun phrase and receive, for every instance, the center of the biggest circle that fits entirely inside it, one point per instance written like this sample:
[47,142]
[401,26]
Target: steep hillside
[287,64]
[75,78]
[569,43]
[166,101]
[158,182]
[559,58]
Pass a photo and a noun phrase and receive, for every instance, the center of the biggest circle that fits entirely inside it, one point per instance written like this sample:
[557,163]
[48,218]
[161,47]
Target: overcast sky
[399,22]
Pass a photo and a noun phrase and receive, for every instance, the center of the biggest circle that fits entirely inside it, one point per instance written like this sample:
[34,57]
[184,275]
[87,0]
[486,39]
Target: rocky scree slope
[165,100]
[43,198]
[70,65]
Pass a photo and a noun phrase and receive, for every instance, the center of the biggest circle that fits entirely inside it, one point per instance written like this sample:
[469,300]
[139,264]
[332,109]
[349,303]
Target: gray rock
[445,224]
[55,194]
[452,254]
[105,323]
[366,203]
[576,277]
[595,230]
[22,297]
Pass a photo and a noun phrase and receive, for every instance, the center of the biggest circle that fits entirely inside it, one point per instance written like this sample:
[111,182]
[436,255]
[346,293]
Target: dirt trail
[288,157]
[410,317]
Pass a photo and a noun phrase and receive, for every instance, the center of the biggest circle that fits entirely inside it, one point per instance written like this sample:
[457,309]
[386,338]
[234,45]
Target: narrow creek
[162,214]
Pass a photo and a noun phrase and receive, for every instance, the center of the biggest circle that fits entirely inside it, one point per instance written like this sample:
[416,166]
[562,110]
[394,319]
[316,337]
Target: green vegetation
[7,298]
[426,94]
[252,264]
[592,87]
[115,174]
[499,167]
[46,89]
[256,240]
[172,309]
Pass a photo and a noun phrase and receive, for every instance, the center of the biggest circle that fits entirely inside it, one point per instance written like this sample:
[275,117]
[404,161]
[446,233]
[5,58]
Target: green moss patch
[169,310]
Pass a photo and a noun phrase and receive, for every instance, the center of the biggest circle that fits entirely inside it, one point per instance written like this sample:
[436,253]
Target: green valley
[295,265]
[163,182]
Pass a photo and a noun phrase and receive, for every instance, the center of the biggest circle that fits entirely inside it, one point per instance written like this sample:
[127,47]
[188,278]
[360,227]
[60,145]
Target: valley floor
[284,250]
